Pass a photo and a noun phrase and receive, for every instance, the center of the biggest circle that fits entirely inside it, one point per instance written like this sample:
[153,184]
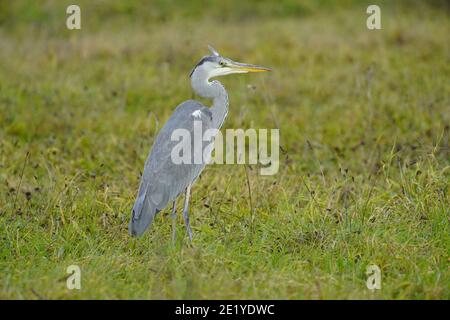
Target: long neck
[211,90]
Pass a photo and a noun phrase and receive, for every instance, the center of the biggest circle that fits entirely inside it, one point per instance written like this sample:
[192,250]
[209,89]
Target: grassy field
[364,175]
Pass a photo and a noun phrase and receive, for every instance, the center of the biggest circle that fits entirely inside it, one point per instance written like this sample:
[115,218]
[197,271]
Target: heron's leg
[174,220]
[185,211]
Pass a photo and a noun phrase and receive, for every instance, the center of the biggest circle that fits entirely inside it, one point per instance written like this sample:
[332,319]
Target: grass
[364,174]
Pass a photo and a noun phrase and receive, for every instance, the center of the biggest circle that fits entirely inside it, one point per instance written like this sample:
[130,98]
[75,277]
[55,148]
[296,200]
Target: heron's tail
[142,215]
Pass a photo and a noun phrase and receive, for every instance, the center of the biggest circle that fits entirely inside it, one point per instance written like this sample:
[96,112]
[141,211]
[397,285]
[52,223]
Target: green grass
[364,176]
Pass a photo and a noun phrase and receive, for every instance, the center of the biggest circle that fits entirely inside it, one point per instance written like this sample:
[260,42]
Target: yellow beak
[244,67]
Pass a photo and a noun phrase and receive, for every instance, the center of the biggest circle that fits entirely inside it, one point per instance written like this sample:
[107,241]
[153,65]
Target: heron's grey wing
[163,180]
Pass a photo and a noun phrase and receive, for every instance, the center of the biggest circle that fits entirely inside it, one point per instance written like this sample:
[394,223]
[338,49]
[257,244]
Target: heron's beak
[244,67]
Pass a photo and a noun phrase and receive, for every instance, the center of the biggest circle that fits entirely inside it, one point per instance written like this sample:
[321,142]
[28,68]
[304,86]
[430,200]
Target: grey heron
[162,180]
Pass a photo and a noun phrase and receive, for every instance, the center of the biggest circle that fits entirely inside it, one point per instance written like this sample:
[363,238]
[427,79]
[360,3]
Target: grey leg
[174,220]
[185,211]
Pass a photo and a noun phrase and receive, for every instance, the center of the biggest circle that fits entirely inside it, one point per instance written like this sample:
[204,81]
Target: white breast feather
[197,114]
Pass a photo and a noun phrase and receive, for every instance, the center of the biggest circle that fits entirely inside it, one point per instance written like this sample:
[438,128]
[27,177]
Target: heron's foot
[174,231]
[174,222]
[185,212]
[188,225]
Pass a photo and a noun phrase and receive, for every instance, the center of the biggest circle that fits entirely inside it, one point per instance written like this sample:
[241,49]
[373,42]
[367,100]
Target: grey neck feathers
[211,90]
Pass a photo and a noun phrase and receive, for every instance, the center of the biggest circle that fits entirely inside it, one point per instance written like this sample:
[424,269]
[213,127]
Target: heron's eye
[222,63]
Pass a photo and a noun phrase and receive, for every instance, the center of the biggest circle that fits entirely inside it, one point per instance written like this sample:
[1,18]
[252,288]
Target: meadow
[364,165]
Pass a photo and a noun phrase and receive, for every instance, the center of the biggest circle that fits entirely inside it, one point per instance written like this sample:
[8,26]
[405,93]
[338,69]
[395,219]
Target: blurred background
[364,125]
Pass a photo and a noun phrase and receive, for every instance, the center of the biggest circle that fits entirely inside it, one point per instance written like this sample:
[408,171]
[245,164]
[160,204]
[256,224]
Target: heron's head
[215,65]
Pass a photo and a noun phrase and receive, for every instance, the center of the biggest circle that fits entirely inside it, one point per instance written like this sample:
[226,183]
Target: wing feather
[162,180]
